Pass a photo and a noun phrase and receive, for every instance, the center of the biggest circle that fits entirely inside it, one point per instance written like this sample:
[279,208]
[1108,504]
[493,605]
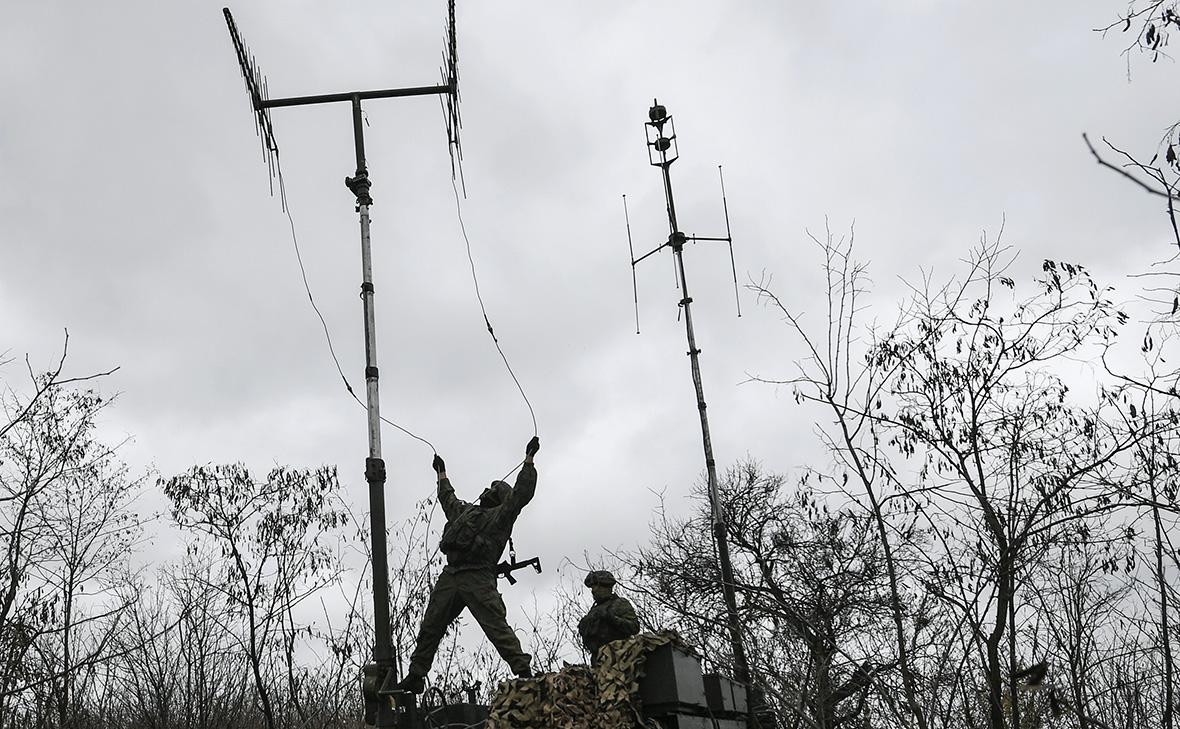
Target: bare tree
[90,534]
[1080,607]
[178,662]
[958,421]
[229,637]
[275,541]
[814,598]
[1149,397]
[67,528]
[851,387]
[1146,27]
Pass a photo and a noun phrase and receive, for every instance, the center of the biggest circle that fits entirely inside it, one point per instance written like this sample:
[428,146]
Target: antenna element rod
[631,248]
[729,239]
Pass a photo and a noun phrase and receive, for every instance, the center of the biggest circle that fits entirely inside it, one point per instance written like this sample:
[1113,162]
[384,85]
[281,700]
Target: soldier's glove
[438,465]
[533,446]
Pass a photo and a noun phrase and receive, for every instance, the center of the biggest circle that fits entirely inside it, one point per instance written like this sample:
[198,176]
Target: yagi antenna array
[450,72]
[261,103]
[256,88]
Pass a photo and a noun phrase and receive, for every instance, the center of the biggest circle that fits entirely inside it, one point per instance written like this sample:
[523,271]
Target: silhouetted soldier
[611,617]
[473,540]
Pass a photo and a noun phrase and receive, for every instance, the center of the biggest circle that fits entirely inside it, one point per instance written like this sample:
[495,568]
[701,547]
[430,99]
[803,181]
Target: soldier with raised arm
[472,540]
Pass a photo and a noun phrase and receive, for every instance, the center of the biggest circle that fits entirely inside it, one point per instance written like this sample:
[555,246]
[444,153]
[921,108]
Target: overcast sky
[135,210]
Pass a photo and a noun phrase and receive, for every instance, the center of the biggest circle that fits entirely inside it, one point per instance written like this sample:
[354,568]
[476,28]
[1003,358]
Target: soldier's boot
[412,683]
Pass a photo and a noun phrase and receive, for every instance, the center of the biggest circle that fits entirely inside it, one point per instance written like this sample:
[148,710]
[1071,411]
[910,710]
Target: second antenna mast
[662,152]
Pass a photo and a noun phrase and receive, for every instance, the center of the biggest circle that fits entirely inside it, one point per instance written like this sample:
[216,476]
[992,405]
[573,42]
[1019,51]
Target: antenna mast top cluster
[260,102]
[659,143]
[662,151]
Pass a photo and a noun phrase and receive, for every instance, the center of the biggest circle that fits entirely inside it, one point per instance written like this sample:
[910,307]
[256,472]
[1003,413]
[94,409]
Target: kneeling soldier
[611,617]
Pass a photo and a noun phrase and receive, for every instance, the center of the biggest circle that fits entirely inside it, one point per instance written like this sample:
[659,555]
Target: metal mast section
[662,152]
[382,673]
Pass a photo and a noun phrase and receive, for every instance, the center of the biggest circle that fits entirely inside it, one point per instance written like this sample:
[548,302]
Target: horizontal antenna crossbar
[649,253]
[350,95]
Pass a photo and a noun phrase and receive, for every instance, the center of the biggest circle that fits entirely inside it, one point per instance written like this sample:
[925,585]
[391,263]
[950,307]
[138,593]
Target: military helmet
[599,577]
[502,490]
[496,494]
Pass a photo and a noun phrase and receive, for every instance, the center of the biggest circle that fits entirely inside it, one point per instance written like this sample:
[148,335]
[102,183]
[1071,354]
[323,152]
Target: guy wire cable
[483,309]
[323,322]
[487,321]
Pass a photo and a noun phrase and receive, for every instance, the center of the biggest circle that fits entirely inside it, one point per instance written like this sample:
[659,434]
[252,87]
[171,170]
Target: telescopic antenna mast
[379,676]
[662,151]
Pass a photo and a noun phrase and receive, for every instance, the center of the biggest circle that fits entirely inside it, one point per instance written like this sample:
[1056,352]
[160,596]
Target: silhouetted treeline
[991,539]
[986,539]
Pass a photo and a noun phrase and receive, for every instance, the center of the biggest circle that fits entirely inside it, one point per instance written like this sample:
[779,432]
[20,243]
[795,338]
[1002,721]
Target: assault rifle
[507,567]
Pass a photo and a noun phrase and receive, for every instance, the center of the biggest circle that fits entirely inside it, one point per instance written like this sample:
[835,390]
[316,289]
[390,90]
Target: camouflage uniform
[473,539]
[611,618]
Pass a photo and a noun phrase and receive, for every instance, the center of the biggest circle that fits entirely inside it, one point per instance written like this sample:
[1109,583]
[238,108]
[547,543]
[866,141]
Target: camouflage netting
[578,697]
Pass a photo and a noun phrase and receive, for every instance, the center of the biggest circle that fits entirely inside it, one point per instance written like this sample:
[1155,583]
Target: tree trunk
[995,677]
[1165,632]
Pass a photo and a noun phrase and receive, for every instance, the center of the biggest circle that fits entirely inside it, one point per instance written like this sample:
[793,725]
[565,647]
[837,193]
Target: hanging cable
[486,321]
[323,323]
